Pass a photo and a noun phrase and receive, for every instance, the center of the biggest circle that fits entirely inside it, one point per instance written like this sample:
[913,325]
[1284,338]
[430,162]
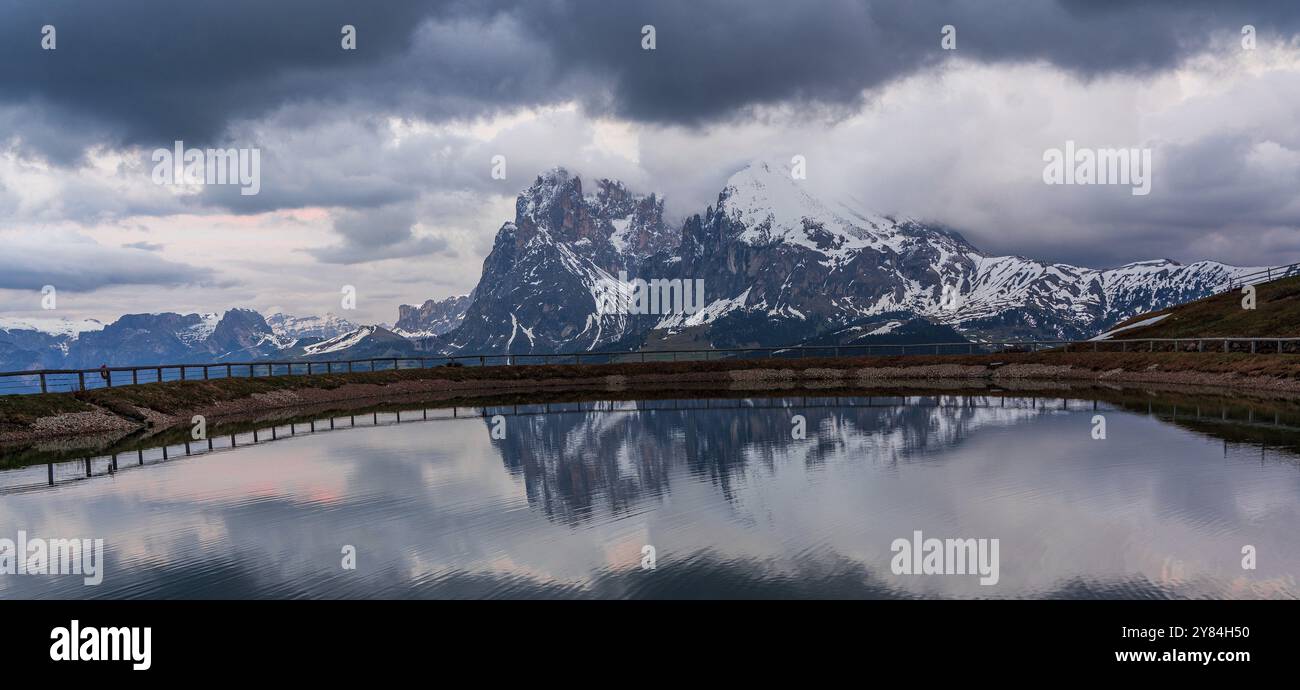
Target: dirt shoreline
[157,407]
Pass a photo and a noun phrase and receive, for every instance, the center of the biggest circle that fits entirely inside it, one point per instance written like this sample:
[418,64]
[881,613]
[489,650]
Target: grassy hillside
[1276,313]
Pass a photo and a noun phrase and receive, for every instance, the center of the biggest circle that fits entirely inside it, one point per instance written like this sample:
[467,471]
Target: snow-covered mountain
[68,327]
[781,265]
[31,343]
[433,318]
[552,264]
[1014,296]
[299,327]
[239,335]
[362,343]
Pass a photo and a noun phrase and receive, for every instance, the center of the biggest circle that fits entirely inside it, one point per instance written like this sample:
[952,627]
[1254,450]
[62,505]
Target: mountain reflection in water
[733,504]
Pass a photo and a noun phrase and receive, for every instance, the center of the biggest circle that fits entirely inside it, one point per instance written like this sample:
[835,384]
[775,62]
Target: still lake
[732,500]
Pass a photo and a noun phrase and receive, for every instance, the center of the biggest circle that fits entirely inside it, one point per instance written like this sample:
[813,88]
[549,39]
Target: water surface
[733,505]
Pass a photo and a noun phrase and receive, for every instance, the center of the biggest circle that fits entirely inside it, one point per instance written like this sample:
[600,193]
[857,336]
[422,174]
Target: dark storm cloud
[156,70]
[376,234]
[714,58]
[151,71]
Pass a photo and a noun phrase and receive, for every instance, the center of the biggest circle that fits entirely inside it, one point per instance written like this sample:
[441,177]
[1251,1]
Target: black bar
[928,639]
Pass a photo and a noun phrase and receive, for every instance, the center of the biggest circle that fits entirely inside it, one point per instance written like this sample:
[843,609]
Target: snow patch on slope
[200,331]
[1144,322]
[885,329]
[710,312]
[341,342]
[68,327]
[774,207]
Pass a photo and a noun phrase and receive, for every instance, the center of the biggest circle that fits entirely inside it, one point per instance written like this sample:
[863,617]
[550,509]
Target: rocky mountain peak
[553,204]
[240,329]
[608,225]
[434,317]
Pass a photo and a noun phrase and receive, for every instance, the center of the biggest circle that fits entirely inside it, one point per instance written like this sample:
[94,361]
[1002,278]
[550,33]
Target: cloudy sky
[376,162]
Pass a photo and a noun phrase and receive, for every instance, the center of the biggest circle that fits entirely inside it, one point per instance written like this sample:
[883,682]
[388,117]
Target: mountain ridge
[780,265]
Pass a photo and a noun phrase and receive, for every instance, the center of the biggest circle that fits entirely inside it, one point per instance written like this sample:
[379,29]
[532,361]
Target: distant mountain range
[779,266]
[238,335]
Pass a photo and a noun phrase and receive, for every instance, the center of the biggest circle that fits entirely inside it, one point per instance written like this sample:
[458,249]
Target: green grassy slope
[1276,313]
